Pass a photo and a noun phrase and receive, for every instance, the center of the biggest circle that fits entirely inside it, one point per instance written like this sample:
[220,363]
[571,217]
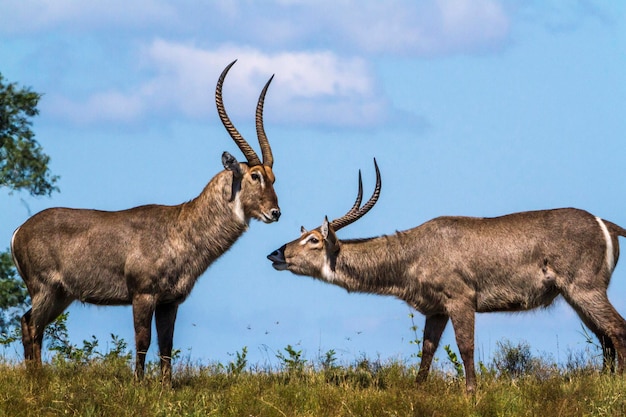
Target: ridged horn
[356,212]
[247,151]
[266,151]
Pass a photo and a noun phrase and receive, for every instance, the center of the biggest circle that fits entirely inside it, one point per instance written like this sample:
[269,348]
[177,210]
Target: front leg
[143,309]
[433,329]
[165,317]
[463,324]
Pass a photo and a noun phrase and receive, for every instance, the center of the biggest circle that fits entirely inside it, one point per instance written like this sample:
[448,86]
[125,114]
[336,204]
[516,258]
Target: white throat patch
[238,210]
[327,273]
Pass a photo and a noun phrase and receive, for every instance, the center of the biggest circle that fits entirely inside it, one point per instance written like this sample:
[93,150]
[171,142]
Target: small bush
[513,360]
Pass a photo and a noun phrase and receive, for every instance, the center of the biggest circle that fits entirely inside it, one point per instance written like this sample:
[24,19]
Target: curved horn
[268,159]
[359,197]
[355,213]
[248,152]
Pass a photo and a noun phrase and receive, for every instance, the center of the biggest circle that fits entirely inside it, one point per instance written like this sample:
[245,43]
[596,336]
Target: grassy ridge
[82,381]
[106,388]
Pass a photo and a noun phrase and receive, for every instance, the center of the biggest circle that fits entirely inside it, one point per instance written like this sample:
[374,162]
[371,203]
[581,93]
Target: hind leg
[609,353]
[597,312]
[27,336]
[45,308]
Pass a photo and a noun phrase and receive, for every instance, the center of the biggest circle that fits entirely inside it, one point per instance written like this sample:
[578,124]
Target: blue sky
[471,107]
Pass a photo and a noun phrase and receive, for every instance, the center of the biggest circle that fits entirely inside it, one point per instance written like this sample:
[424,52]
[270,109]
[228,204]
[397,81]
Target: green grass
[83,381]
[105,387]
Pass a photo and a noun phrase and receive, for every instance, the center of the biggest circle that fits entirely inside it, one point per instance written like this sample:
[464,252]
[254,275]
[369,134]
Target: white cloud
[467,23]
[102,107]
[32,16]
[392,27]
[423,28]
[309,87]
[320,51]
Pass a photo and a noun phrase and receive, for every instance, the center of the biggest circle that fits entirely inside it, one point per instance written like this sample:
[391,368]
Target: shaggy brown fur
[148,256]
[450,268]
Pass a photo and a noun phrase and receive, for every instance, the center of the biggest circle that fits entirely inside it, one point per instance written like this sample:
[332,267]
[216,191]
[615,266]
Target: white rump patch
[17,266]
[13,237]
[610,261]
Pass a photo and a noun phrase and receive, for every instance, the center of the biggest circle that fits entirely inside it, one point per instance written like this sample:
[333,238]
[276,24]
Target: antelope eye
[314,240]
[255,176]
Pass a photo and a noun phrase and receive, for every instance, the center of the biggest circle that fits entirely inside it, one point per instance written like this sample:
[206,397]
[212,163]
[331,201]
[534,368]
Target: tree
[23,166]
[13,293]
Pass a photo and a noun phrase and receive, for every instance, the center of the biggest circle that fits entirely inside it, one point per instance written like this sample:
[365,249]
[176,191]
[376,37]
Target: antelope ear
[329,235]
[325,228]
[230,164]
[303,230]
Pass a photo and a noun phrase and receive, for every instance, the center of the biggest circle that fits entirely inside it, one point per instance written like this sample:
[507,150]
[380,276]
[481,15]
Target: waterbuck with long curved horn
[450,268]
[150,256]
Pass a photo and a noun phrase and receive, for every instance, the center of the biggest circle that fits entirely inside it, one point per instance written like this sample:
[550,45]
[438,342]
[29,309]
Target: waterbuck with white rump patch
[150,256]
[450,268]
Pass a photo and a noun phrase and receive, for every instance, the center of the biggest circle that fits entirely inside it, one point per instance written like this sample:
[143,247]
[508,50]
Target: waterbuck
[149,256]
[450,268]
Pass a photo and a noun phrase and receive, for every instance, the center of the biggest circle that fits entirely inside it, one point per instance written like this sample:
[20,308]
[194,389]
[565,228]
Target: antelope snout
[278,255]
[278,258]
[275,213]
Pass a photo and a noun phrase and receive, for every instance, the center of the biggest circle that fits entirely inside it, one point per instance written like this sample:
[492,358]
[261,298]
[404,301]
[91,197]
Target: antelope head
[253,181]
[315,252]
